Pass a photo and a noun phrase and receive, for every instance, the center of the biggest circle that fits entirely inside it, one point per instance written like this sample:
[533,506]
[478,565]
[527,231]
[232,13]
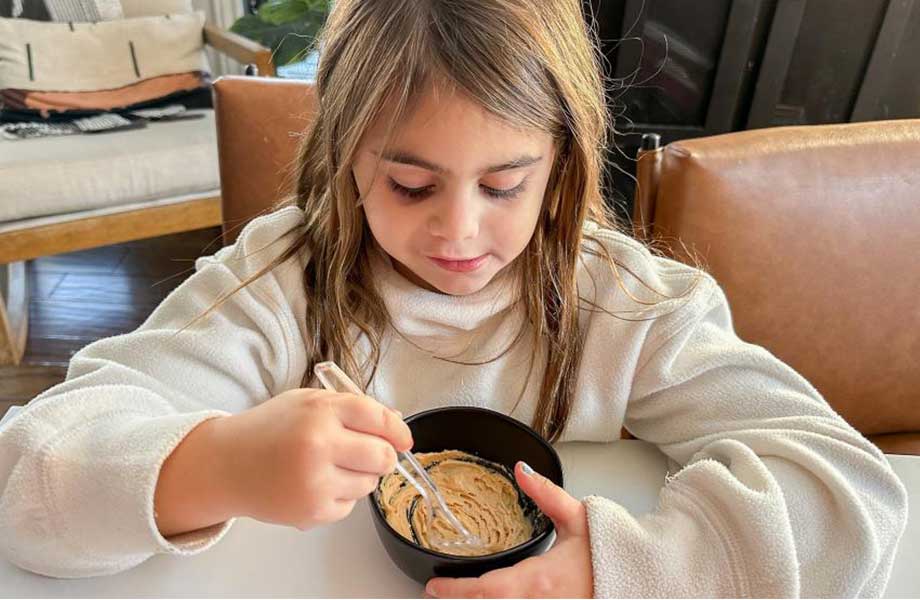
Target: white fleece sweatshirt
[775,494]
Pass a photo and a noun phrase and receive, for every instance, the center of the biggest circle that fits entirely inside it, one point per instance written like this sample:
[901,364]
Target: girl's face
[457,195]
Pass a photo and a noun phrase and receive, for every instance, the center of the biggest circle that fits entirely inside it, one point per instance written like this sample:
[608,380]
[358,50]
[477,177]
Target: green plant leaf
[251,26]
[288,27]
[291,42]
[281,12]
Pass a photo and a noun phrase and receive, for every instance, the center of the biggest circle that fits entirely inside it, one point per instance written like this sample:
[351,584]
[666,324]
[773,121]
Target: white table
[347,559]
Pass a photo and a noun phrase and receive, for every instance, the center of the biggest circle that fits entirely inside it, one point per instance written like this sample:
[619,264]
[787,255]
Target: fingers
[466,587]
[353,485]
[502,583]
[328,511]
[340,509]
[567,513]
[363,453]
[364,414]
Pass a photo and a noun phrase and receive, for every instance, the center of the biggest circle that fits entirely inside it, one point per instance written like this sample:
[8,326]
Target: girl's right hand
[305,457]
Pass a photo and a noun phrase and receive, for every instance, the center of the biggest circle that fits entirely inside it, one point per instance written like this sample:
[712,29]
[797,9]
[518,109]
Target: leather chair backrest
[260,126]
[814,234]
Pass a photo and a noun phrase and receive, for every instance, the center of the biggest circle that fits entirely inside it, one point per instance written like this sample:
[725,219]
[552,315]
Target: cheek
[514,225]
[377,217]
[391,225]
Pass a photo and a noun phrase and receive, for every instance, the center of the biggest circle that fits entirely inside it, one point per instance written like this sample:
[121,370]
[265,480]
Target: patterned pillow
[177,88]
[61,66]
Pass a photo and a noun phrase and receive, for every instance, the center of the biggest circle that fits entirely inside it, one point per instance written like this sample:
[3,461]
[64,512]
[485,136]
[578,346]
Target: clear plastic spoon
[334,379]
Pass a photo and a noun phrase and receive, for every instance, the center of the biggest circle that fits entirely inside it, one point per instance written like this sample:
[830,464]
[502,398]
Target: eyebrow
[406,158]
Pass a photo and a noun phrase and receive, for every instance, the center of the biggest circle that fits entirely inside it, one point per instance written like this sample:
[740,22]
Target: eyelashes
[423,192]
[412,193]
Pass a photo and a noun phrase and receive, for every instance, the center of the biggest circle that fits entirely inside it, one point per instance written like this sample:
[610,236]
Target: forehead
[447,127]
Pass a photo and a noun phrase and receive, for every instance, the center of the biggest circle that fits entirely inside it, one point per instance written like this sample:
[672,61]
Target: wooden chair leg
[14,312]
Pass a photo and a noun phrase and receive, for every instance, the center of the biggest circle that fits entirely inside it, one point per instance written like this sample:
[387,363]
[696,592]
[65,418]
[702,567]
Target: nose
[455,218]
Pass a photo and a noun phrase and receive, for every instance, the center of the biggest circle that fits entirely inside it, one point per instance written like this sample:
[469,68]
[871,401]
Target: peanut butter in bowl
[481,493]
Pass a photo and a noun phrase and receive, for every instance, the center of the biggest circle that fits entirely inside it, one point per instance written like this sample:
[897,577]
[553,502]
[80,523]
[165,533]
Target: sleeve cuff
[655,555]
[99,485]
[711,535]
[191,542]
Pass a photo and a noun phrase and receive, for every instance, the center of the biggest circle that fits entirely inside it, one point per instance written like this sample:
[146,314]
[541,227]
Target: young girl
[449,246]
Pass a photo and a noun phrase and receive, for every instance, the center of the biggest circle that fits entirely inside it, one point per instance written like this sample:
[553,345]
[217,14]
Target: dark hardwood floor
[80,297]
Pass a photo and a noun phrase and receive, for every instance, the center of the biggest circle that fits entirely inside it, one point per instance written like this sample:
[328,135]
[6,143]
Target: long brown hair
[534,64]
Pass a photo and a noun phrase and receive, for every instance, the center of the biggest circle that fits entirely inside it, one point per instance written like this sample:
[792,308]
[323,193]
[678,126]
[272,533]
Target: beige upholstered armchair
[85,191]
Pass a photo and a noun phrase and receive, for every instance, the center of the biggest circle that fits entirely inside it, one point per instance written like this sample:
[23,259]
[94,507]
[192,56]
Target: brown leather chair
[814,233]
[260,125]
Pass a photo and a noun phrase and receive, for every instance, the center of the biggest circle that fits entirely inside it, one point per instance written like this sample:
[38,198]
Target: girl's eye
[507,193]
[413,193]
[425,191]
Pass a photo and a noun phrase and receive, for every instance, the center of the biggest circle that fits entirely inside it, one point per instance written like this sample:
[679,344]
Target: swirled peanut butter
[481,494]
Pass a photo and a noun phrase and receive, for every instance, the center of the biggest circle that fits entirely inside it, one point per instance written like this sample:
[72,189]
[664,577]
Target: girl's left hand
[563,572]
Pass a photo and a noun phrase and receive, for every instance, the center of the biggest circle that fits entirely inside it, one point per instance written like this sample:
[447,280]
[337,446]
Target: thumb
[567,513]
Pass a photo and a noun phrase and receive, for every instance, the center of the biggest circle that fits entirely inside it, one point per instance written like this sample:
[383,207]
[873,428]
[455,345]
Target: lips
[463,265]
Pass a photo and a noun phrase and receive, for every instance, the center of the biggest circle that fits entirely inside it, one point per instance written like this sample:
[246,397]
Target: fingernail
[429,589]
[527,469]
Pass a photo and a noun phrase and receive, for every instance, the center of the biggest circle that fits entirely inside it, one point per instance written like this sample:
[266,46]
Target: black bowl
[486,434]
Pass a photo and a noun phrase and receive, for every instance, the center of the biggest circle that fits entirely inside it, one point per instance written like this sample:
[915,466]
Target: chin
[458,285]
[461,288]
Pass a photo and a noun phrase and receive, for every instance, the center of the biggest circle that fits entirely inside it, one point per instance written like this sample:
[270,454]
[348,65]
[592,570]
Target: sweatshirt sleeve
[79,466]
[776,495]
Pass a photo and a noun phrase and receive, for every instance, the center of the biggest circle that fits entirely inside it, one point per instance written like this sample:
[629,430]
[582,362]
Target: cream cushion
[98,56]
[54,175]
